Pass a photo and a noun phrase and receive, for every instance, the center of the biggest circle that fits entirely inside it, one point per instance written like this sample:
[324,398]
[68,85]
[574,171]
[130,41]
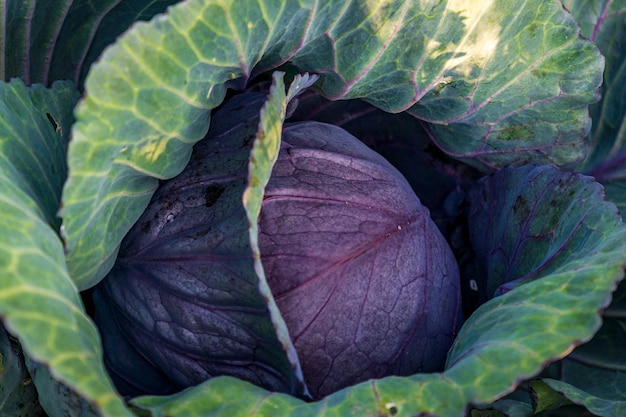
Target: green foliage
[492,84]
[605,24]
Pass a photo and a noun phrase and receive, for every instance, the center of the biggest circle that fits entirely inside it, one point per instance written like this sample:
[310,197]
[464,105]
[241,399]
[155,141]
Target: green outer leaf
[148,101]
[504,408]
[513,336]
[38,300]
[28,34]
[599,366]
[393,397]
[92,25]
[47,19]
[597,405]
[523,225]
[34,143]
[593,375]
[56,398]
[150,95]
[44,41]
[495,346]
[502,90]
[604,22]
[14,31]
[262,158]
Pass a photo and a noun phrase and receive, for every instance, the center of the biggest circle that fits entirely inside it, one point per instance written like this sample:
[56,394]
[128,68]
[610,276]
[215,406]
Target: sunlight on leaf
[480,41]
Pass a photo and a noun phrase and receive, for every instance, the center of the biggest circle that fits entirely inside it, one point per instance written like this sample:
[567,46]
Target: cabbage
[364,280]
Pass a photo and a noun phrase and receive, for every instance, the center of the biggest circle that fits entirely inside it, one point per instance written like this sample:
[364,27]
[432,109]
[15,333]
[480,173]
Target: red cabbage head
[364,280]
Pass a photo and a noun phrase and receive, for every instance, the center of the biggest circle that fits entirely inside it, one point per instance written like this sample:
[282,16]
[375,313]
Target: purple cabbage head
[367,285]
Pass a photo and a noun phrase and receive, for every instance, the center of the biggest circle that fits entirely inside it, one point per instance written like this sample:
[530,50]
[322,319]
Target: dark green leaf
[604,22]
[44,41]
[599,405]
[594,374]
[89,27]
[55,397]
[523,225]
[487,413]
[18,396]
[504,408]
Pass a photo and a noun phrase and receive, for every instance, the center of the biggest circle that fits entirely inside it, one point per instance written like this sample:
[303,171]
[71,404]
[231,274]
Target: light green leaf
[219,396]
[150,95]
[38,300]
[510,87]
[392,397]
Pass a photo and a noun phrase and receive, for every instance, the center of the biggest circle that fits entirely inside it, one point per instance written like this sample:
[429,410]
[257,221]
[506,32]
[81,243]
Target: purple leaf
[365,281]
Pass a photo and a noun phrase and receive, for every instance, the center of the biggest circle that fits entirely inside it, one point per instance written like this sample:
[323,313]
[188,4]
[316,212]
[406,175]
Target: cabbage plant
[504,119]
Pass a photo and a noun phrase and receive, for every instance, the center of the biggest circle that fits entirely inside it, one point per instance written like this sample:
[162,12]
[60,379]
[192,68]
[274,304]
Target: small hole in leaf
[53,122]
[392,408]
